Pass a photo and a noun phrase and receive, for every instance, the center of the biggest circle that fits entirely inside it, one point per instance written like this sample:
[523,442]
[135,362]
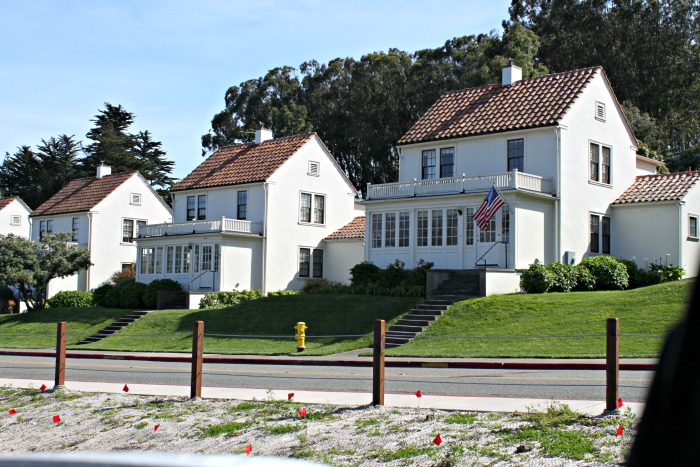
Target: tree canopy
[29,266]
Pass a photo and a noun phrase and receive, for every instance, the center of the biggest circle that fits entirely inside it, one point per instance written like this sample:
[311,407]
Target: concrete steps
[114,327]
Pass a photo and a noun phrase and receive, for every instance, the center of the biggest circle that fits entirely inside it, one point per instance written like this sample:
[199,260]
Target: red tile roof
[245,163]
[82,194]
[659,187]
[355,229]
[529,103]
[4,202]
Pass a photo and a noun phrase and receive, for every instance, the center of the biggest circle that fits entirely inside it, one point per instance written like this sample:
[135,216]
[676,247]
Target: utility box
[570,257]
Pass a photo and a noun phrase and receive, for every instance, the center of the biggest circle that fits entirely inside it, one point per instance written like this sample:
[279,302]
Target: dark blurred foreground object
[669,432]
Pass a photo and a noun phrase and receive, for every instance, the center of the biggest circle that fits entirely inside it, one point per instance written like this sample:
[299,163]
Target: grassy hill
[648,311]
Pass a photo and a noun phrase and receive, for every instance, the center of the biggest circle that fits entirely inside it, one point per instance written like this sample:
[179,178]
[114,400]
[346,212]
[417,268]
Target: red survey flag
[619,402]
[438,440]
[56,418]
[43,387]
[290,395]
[302,412]
[13,411]
[125,388]
[248,449]
[619,431]
[155,428]
[419,394]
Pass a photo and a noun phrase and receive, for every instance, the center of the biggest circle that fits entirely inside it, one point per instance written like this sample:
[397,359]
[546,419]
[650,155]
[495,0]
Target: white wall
[342,255]
[690,247]
[15,208]
[241,264]
[285,234]
[222,202]
[534,237]
[579,197]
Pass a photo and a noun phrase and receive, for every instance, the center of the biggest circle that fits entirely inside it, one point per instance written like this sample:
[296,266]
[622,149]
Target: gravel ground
[368,436]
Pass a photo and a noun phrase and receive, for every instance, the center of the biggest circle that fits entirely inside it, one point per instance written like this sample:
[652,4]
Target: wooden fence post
[612,363]
[60,377]
[378,362]
[197,350]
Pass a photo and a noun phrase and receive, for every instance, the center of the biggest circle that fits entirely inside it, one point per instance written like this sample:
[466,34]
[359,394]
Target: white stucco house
[14,217]
[561,152]
[253,216]
[103,214]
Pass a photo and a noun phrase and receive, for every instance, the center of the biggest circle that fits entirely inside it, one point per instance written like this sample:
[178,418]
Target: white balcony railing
[505,181]
[200,227]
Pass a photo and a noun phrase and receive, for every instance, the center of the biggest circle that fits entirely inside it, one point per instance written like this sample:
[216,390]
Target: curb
[367,362]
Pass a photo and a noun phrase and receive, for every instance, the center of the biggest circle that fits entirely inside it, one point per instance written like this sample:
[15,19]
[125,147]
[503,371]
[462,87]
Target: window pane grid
[178,259]
[202,207]
[128,231]
[318,263]
[505,225]
[206,257]
[488,235]
[469,220]
[447,162]
[305,207]
[74,230]
[595,234]
[436,230]
[242,205]
[190,208]
[390,232]
[594,162]
[605,166]
[304,257]
[404,229]
[516,154]
[452,229]
[428,171]
[422,228]
[169,260]
[376,230]
[319,206]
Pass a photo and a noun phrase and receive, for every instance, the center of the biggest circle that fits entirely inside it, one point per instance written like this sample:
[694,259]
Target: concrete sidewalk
[340,398]
[354,358]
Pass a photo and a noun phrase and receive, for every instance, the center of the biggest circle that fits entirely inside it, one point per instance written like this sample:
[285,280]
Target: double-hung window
[600,234]
[74,230]
[516,154]
[312,208]
[201,207]
[422,228]
[16,220]
[310,262]
[428,170]
[190,208]
[128,231]
[505,224]
[436,228]
[49,227]
[242,205]
[447,162]
[599,163]
[693,227]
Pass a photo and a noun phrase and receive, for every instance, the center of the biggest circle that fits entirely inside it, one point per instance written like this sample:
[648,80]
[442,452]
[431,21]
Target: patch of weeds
[487,451]
[466,418]
[555,442]
[317,416]
[244,407]
[141,425]
[105,411]
[367,422]
[230,429]
[63,396]
[281,429]
[554,414]
[405,452]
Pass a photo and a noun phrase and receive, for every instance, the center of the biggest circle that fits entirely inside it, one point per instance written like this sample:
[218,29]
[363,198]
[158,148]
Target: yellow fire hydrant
[300,336]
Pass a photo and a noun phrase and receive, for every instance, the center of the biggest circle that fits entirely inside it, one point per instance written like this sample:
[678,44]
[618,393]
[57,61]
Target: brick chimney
[103,170]
[262,135]
[511,73]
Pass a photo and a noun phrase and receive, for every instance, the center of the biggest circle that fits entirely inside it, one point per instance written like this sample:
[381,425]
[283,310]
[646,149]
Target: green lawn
[650,311]
[38,330]
[171,330]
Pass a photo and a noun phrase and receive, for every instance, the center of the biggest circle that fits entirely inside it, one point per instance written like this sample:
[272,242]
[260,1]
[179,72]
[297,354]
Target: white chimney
[103,170]
[510,74]
[262,135]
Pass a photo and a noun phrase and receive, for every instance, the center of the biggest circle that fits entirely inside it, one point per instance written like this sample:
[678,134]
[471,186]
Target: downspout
[89,245]
[557,201]
[680,234]
[263,282]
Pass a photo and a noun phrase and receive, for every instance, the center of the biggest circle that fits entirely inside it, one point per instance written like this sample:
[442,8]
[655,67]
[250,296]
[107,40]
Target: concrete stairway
[461,285]
[114,327]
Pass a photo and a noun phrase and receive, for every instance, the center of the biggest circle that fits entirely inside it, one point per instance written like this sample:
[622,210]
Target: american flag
[488,208]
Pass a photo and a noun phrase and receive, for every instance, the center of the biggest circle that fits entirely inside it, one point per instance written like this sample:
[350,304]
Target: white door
[488,245]
[206,280]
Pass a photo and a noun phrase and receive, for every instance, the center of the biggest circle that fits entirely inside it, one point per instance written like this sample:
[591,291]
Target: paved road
[558,384]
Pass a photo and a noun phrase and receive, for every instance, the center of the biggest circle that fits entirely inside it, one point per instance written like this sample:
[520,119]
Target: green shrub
[6,293]
[150,296]
[393,275]
[227,299]
[282,293]
[131,295]
[609,273]
[667,273]
[585,282]
[416,277]
[72,299]
[563,277]
[365,273]
[401,291]
[99,295]
[536,278]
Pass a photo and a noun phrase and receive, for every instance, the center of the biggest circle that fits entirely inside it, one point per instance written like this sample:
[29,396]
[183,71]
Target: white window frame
[313,253]
[600,246]
[75,227]
[598,180]
[600,113]
[693,235]
[15,220]
[135,199]
[136,223]
[312,208]
[314,169]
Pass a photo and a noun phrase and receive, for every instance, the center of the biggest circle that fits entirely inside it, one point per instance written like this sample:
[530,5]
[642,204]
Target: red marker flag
[302,412]
[125,388]
[290,395]
[56,418]
[155,428]
[419,394]
[43,387]
[438,440]
[248,449]
[13,411]
[619,402]
[619,431]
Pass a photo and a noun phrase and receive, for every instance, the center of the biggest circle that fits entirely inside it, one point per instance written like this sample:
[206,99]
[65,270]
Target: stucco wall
[534,232]
[341,256]
[15,208]
[222,202]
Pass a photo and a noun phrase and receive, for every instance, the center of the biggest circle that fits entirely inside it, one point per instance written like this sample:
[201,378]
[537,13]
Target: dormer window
[136,199]
[600,111]
[314,168]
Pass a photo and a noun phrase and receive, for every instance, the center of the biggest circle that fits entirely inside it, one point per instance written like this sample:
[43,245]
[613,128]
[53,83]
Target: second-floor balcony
[223,225]
[444,186]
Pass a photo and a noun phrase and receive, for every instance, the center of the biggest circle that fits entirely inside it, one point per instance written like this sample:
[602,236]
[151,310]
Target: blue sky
[170,62]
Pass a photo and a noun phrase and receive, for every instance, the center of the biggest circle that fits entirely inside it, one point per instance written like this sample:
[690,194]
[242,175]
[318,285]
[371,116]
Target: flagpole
[510,210]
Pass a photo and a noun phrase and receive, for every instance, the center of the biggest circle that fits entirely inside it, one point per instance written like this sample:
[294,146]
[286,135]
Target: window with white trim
[376,233]
[169,256]
[159,260]
[505,224]
[451,230]
[693,226]
[600,231]
[600,111]
[599,163]
[195,258]
[242,205]
[74,229]
[190,208]
[16,220]
[135,199]
[179,250]
[390,230]
[201,207]
[422,228]
[45,228]
[130,229]
[488,235]
[404,229]
[207,257]
[447,162]
[310,262]
[436,228]
[428,167]
[312,208]
[469,224]
[516,154]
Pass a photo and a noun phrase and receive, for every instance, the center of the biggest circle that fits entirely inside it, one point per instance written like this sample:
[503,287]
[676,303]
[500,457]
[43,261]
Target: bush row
[128,293]
[322,286]
[593,273]
[72,299]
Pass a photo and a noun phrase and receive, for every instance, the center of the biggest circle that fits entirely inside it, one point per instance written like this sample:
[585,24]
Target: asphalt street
[543,384]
